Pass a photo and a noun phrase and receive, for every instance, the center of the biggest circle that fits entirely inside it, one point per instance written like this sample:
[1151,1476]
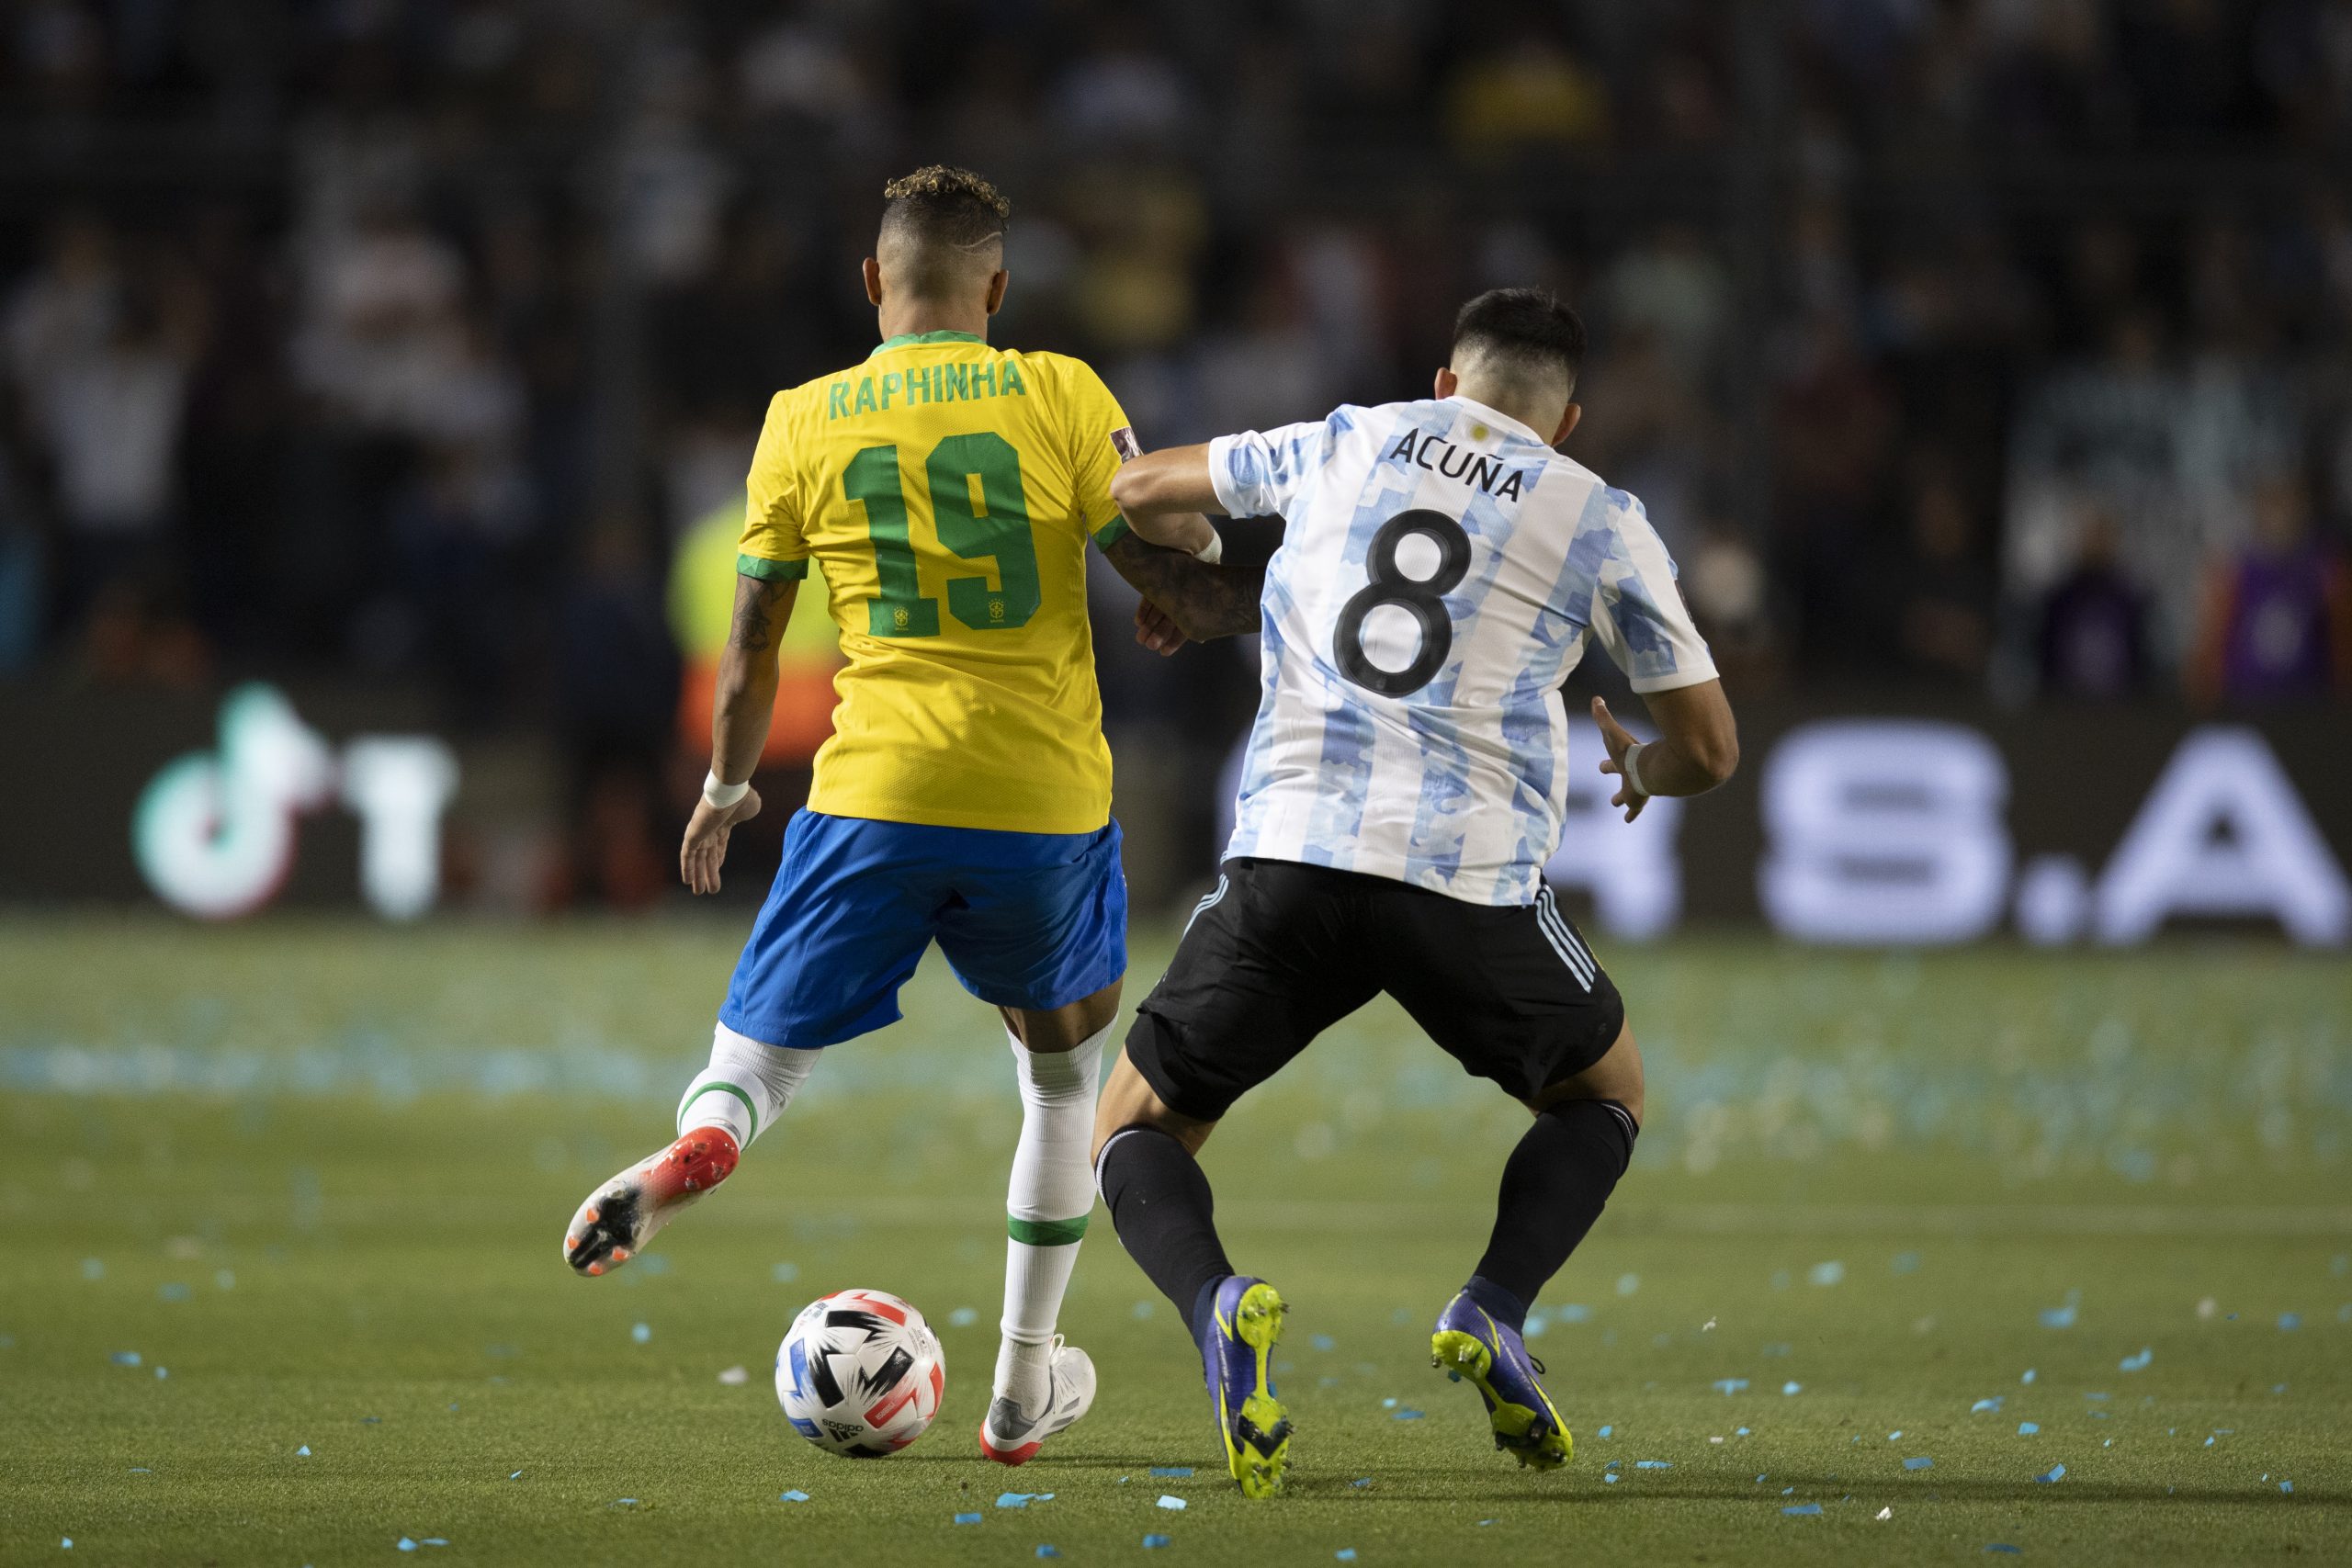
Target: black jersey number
[1422,598]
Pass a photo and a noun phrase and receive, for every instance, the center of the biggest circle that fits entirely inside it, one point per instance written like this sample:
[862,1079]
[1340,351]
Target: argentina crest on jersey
[1440,573]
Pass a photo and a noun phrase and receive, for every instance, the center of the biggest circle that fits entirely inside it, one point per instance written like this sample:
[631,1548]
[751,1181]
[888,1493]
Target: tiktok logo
[214,832]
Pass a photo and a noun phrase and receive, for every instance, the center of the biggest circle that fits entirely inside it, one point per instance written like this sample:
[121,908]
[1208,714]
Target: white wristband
[1632,767]
[718,797]
[1212,552]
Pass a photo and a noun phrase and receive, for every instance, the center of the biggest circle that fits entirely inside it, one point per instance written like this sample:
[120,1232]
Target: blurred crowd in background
[1983,348]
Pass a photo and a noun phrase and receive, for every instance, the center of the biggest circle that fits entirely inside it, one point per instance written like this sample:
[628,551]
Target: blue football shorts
[1028,921]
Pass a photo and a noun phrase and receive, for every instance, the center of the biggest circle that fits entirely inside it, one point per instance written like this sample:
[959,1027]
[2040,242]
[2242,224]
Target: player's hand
[706,847]
[1156,630]
[1613,736]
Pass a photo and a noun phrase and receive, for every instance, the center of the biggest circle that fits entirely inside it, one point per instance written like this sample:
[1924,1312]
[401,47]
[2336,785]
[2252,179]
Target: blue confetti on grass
[2005,1548]
[793,1496]
[1360,1481]
[1792,1388]
[1049,1550]
[1324,1342]
[968,1519]
[1827,1273]
[174,1292]
[1805,1510]
[1575,1312]
[162,1373]
[1628,1283]
[1653,1464]
[641,1333]
[1981,1406]
[1729,1386]
[92,1269]
[2055,1474]
[433,1541]
[1142,1311]
[1345,1554]
[2030,1375]
[2286,1486]
[1172,1469]
[1609,1478]
[2062,1317]
[785,1273]
[1920,1462]
[1606,1430]
[1407,1415]
[2138,1363]
[303,1453]
[1907,1262]
[963,1317]
[2027,1428]
[624,1502]
[1150,1541]
[125,1358]
[1173,1504]
[2290,1321]
[404,1544]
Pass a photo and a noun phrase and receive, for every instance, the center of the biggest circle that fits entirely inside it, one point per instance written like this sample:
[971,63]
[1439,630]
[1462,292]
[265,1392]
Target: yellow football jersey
[947,489]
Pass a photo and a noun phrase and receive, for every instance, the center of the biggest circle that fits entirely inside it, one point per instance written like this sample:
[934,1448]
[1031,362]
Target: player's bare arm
[1200,600]
[1172,554]
[1162,495]
[741,708]
[1696,748]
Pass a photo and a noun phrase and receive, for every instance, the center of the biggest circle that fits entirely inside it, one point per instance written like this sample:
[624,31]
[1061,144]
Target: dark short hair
[944,206]
[1529,326]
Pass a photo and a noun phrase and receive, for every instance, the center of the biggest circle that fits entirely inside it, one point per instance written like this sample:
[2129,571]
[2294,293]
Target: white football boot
[622,1215]
[1013,1435]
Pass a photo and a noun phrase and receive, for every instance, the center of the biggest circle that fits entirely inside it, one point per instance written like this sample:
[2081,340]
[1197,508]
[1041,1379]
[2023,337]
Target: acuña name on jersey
[1441,571]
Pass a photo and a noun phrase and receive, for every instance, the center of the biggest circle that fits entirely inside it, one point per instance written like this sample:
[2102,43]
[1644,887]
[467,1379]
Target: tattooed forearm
[761,610]
[1205,600]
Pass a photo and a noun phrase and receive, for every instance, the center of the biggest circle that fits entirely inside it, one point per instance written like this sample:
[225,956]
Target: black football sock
[1165,1214]
[1555,1186]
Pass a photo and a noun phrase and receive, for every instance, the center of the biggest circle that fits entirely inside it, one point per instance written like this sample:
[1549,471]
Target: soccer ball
[860,1373]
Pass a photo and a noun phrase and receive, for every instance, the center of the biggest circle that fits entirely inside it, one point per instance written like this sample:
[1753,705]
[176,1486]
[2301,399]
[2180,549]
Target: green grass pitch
[1888,1209]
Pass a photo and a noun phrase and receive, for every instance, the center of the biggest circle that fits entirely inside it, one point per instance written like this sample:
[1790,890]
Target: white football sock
[1047,1205]
[746,1087]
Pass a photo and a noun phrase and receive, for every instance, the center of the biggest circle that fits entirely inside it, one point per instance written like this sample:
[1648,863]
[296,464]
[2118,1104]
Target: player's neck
[913,318]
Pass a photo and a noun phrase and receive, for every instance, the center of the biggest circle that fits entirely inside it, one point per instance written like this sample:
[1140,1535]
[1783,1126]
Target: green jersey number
[980,513]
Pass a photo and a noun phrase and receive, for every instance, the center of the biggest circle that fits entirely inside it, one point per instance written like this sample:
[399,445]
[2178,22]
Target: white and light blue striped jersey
[1441,571]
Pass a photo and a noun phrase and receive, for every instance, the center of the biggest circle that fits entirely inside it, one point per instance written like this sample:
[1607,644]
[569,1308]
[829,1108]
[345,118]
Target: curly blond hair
[945,204]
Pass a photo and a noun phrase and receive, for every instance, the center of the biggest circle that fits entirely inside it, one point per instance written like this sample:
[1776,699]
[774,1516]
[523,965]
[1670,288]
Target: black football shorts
[1279,952]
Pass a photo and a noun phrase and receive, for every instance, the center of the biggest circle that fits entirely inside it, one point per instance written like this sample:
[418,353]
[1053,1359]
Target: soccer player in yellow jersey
[948,489]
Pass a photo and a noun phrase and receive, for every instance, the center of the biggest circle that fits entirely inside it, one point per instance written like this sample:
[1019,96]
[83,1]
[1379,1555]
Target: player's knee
[1127,1100]
[1616,1077]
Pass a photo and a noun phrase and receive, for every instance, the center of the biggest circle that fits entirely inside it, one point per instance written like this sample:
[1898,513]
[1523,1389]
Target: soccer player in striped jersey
[948,489]
[1442,569]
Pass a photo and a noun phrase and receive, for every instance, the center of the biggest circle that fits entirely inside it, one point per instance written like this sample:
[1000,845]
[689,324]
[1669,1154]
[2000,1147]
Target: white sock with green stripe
[746,1087]
[1051,1193]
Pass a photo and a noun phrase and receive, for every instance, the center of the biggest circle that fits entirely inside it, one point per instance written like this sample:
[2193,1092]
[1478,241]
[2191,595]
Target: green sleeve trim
[1045,1233]
[1111,533]
[768,571]
[749,1108]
